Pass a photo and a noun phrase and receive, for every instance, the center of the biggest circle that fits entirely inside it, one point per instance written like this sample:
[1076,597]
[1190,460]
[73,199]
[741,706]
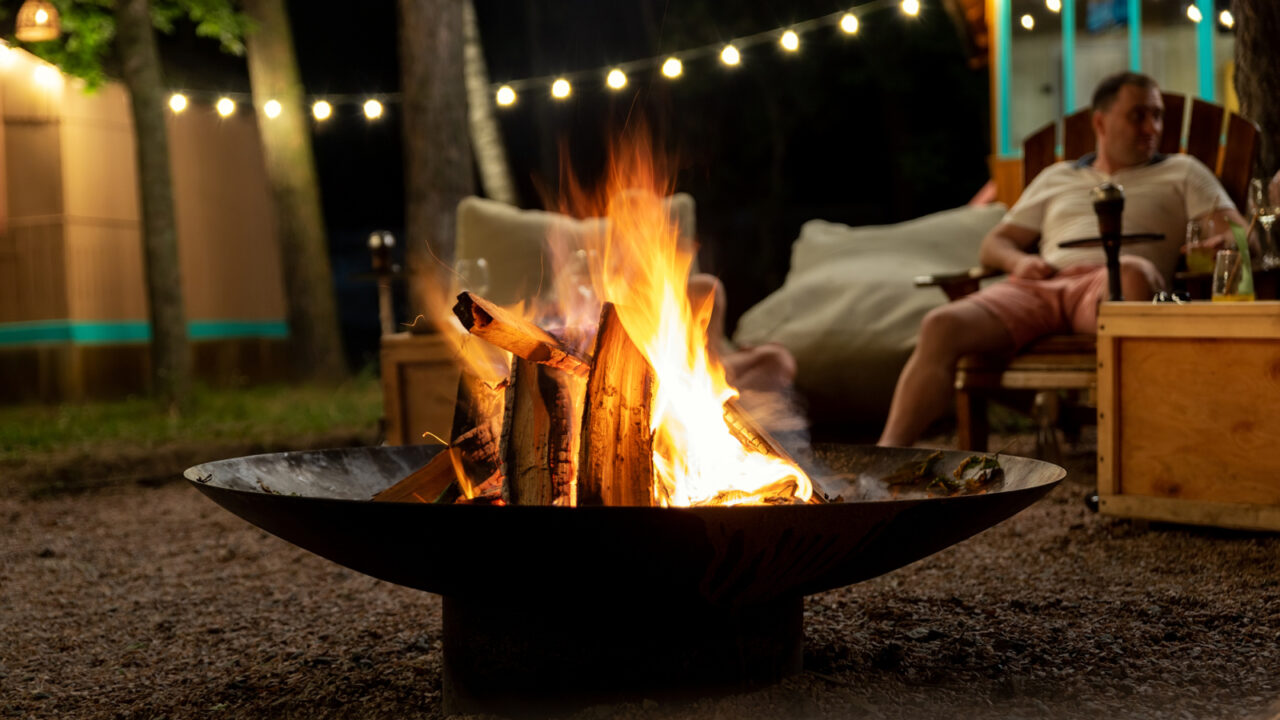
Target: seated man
[1058,290]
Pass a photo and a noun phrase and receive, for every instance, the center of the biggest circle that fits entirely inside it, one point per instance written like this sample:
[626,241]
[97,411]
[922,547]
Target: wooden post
[616,457]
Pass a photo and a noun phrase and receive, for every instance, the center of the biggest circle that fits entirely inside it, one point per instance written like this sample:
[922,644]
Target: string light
[177,103]
[1193,12]
[505,96]
[1053,5]
[911,7]
[1227,19]
[225,106]
[560,89]
[271,109]
[789,41]
[849,23]
[617,79]
[46,76]
[672,68]
[372,109]
[1028,22]
[730,55]
[321,110]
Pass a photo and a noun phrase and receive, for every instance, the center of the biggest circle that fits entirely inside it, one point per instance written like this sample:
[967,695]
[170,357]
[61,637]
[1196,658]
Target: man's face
[1129,131]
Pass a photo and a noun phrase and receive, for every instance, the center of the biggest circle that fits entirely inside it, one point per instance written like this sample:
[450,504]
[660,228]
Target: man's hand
[1032,267]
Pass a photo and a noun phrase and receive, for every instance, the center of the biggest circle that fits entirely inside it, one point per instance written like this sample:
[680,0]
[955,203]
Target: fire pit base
[512,658]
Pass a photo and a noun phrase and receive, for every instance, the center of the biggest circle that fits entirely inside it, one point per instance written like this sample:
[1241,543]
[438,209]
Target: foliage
[266,413]
[85,49]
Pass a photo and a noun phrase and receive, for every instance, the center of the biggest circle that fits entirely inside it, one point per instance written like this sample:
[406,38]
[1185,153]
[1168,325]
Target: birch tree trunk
[291,170]
[1258,75]
[486,136]
[437,153]
[170,351]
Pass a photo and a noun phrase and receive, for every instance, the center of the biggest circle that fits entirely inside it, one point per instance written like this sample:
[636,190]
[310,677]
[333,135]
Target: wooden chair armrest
[957,285]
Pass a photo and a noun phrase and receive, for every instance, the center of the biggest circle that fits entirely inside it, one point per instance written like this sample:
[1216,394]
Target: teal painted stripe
[1204,50]
[1003,28]
[132,331]
[1068,56]
[1135,35]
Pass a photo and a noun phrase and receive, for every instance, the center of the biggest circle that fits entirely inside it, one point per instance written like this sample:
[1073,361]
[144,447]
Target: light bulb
[321,110]
[45,75]
[1053,5]
[372,109]
[911,7]
[561,89]
[225,106]
[789,41]
[1227,19]
[672,68]
[506,96]
[849,23]
[271,109]
[730,55]
[42,16]
[177,102]
[616,79]
[1028,22]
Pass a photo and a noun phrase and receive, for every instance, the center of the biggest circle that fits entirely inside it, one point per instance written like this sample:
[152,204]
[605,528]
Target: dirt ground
[145,600]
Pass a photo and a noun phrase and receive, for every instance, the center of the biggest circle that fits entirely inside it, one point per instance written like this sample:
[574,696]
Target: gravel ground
[148,601]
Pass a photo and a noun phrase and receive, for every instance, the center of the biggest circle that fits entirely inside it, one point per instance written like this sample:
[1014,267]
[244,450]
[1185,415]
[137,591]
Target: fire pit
[553,606]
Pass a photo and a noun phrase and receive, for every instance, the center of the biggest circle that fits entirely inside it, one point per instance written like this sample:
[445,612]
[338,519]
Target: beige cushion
[849,311]
[513,241]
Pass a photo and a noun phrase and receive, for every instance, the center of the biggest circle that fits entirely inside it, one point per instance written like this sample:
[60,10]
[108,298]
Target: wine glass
[1266,207]
[471,275]
[1200,248]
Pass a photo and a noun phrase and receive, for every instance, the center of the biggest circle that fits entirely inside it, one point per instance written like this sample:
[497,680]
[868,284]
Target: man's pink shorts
[1066,302]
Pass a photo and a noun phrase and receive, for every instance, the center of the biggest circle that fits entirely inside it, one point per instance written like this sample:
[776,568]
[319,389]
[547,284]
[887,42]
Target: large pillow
[513,241]
[849,312]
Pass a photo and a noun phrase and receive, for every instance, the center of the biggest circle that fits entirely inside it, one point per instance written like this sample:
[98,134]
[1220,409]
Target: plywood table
[1189,413]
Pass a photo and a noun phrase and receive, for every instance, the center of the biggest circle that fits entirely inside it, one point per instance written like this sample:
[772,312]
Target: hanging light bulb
[730,55]
[37,21]
[225,106]
[1227,19]
[177,103]
[616,79]
[849,23]
[1053,5]
[1193,12]
[372,109]
[911,7]
[672,68]
[321,110]
[271,109]
[505,96]
[561,89]
[1028,22]
[789,41]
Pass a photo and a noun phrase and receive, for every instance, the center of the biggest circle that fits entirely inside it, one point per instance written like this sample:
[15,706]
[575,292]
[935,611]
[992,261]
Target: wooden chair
[1069,362]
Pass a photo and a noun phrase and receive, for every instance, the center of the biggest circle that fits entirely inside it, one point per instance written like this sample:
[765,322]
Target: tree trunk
[1258,75]
[486,136]
[291,170]
[170,352]
[437,153]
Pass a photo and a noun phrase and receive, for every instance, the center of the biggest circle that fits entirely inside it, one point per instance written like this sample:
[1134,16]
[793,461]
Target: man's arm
[1219,219]
[1005,248]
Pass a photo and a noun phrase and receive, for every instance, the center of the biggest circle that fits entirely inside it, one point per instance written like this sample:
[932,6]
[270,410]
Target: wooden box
[1189,412]
[419,388]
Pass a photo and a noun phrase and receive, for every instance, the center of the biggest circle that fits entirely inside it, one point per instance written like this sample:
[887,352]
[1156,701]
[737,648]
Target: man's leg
[927,383]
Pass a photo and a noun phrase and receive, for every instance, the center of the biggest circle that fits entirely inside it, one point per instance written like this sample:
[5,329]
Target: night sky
[884,126]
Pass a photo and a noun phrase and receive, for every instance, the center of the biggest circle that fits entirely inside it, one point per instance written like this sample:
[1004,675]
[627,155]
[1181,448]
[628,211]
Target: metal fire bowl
[717,556]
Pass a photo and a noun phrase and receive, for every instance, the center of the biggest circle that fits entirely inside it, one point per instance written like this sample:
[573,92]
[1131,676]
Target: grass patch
[273,414]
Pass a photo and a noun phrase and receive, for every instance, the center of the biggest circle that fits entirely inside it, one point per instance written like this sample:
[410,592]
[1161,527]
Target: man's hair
[1110,86]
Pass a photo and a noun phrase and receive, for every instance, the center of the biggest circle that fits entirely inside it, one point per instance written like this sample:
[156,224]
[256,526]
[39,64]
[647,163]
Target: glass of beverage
[472,275]
[1266,207]
[1231,279]
[1199,247]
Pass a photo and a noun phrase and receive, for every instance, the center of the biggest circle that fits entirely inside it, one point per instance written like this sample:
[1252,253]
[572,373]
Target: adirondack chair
[1069,362]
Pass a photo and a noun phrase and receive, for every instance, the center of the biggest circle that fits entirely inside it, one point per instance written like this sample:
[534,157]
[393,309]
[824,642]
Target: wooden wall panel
[226,221]
[32,273]
[32,163]
[99,175]
[104,272]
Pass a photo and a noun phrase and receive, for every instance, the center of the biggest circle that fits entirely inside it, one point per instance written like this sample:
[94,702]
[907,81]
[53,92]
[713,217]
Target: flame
[638,264]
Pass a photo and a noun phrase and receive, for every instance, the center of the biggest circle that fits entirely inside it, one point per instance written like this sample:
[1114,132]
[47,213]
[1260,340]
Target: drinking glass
[1199,250]
[1229,272]
[471,275]
[1266,207]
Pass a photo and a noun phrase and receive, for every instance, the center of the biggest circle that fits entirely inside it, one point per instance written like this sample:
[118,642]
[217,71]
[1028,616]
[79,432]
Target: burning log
[752,435]
[428,484]
[615,461]
[539,435]
[516,335]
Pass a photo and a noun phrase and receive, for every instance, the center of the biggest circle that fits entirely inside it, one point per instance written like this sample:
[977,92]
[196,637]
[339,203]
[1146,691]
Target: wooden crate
[419,387]
[1189,413]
